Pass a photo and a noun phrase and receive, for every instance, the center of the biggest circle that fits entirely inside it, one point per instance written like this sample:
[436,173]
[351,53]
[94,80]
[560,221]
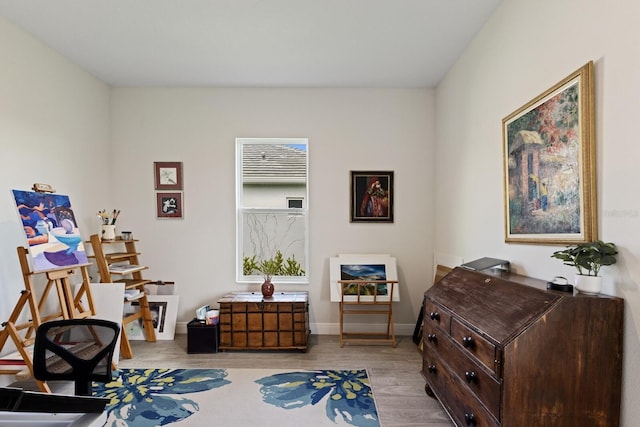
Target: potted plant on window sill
[588,258]
[275,266]
[268,268]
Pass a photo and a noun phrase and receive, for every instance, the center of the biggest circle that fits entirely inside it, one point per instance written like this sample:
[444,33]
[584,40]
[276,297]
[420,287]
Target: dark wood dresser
[502,350]
[248,321]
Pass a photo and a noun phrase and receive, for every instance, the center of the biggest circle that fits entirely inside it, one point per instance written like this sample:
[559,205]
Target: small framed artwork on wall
[372,196]
[169,205]
[168,175]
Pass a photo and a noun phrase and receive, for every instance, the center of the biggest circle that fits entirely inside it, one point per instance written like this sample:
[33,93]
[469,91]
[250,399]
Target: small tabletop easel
[69,306]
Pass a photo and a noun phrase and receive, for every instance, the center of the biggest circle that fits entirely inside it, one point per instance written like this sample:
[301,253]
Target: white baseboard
[401,329]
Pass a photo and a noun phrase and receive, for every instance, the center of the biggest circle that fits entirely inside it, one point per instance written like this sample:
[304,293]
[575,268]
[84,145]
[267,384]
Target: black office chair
[79,350]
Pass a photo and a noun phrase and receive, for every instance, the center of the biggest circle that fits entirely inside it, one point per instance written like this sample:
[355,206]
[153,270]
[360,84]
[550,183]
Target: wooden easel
[69,307]
[375,304]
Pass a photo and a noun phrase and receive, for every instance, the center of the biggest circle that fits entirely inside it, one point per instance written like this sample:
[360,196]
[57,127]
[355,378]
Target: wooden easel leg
[125,345]
[393,333]
[84,289]
[341,325]
[13,318]
[149,331]
[20,345]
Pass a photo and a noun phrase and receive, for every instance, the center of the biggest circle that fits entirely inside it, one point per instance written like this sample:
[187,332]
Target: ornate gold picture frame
[549,165]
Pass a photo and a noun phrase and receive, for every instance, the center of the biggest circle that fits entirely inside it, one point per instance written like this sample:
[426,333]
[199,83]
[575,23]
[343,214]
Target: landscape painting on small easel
[364,272]
[363,267]
[51,230]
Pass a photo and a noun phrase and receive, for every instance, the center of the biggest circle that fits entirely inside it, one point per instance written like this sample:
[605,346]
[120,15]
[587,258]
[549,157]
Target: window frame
[242,211]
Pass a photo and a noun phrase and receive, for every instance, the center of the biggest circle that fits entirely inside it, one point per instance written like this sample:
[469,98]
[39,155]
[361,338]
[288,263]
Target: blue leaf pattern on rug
[137,395]
[349,394]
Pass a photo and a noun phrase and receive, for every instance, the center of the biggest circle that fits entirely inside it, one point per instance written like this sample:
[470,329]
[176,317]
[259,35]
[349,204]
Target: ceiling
[257,43]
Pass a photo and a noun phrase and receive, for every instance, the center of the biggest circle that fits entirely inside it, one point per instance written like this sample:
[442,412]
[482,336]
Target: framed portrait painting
[169,205]
[168,175]
[372,196]
[549,165]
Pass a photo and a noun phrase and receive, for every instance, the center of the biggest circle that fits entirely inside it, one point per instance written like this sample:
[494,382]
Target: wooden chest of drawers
[502,350]
[250,322]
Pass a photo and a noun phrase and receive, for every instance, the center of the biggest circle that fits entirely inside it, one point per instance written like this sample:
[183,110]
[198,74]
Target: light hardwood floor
[395,372]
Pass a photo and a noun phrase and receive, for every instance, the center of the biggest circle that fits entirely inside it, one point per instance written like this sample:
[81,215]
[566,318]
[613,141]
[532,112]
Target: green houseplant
[275,266]
[269,267]
[588,258]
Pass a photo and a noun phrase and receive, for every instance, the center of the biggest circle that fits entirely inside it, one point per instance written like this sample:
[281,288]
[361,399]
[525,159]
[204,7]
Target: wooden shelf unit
[375,304]
[132,280]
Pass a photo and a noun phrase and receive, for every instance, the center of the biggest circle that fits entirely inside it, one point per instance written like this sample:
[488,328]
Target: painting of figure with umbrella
[50,229]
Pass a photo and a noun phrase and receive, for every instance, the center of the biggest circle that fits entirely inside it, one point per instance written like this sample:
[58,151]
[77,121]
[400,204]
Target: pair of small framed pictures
[169,186]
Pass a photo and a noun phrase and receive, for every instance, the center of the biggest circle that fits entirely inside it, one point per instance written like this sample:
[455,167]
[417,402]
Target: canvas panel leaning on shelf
[164,312]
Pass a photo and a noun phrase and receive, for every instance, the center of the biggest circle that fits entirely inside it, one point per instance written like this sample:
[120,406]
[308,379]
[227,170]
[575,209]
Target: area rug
[238,397]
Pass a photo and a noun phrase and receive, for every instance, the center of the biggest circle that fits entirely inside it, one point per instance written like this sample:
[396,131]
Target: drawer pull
[467,342]
[470,419]
[432,338]
[431,368]
[471,377]
[434,315]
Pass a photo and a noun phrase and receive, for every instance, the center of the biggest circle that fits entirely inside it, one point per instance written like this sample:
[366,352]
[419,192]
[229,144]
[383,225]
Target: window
[294,202]
[272,208]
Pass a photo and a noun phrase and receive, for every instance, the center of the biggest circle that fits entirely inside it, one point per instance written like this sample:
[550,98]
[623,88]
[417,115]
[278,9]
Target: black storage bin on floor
[202,338]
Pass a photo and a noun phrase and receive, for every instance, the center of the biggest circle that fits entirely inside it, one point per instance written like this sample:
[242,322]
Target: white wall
[54,128]
[524,49]
[348,129]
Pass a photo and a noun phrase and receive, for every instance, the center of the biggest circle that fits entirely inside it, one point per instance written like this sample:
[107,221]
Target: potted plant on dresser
[588,258]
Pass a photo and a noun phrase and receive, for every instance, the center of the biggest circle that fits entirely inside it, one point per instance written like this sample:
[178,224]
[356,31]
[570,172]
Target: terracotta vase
[267,289]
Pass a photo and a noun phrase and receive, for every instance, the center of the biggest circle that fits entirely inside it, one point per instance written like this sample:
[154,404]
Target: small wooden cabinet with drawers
[248,321]
[502,350]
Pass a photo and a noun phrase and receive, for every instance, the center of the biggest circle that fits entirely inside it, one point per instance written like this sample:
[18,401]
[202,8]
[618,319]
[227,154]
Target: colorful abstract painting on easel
[51,230]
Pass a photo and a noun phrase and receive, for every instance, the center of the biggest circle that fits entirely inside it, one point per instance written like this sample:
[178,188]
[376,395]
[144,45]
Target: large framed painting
[549,165]
[51,230]
[362,267]
[372,196]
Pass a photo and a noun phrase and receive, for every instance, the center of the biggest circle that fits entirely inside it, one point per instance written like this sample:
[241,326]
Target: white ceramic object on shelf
[108,232]
[591,285]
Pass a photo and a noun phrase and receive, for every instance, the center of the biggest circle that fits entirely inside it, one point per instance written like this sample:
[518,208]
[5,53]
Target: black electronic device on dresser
[501,349]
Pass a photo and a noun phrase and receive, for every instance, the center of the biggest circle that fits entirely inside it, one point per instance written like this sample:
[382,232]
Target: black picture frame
[372,196]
